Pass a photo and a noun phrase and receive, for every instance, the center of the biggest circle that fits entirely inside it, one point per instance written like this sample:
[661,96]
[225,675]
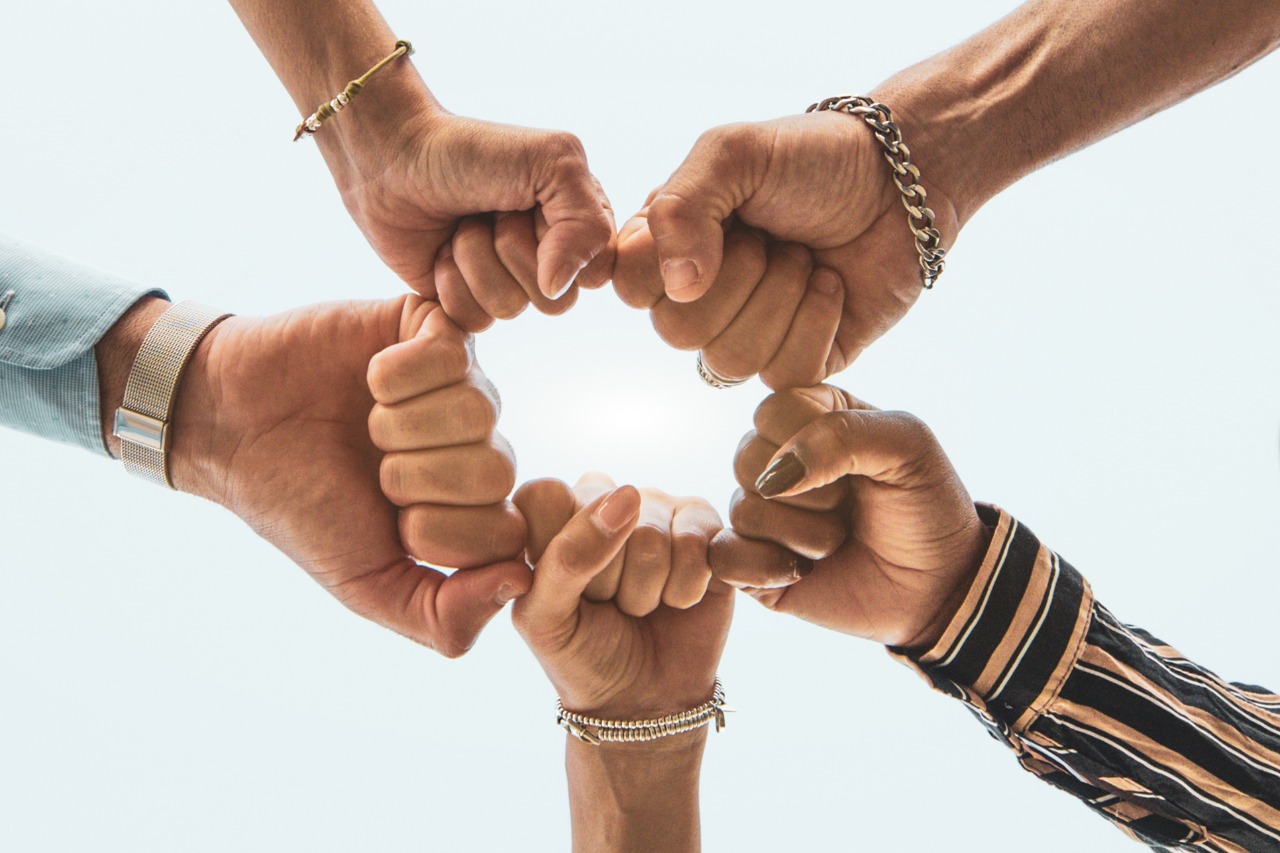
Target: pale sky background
[1100,358]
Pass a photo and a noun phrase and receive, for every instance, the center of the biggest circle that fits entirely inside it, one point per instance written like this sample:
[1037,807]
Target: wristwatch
[142,421]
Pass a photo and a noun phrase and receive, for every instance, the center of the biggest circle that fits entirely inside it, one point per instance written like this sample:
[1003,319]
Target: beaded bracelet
[594,731]
[312,123]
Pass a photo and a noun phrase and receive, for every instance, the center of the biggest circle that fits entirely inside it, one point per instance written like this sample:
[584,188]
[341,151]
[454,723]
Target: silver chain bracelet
[594,731]
[919,217]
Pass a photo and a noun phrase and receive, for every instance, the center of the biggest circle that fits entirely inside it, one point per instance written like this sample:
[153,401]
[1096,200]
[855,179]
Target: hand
[544,223]
[274,421]
[649,645]
[770,312]
[816,179]
[893,558]
[635,655]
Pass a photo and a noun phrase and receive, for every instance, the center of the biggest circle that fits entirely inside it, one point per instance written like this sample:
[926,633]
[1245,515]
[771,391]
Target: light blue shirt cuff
[48,369]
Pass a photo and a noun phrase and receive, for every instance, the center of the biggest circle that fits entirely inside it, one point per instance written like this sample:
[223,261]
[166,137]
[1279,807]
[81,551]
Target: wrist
[115,354]
[641,796]
[393,109]
[194,464]
[938,118]
[197,457]
[970,561]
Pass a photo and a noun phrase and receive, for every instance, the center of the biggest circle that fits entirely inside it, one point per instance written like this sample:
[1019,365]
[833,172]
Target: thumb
[686,216]
[580,227]
[469,598]
[586,545]
[883,446]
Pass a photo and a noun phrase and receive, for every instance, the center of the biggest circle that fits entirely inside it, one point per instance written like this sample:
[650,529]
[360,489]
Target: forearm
[636,797]
[1057,75]
[316,47]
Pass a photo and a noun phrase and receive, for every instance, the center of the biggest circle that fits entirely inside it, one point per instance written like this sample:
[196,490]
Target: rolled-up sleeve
[57,314]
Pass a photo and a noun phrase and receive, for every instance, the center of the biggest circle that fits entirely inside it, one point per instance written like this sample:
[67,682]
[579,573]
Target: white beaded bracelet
[595,731]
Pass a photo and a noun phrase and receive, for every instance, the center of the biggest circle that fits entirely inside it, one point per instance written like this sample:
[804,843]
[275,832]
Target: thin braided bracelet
[919,217]
[312,123]
[595,731]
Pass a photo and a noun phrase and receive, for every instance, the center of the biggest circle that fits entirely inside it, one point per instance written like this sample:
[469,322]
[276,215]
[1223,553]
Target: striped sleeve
[1172,754]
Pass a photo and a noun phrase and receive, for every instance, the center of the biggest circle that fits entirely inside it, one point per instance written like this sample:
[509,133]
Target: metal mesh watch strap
[142,421]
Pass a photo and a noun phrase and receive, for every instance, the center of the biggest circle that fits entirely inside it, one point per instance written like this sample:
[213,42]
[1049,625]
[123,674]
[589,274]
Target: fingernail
[506,592]
[785,472]
[569,275]
[679,274]
[826,281]
[617,511]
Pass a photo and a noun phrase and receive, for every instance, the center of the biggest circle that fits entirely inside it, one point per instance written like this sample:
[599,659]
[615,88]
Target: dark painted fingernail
[783,474]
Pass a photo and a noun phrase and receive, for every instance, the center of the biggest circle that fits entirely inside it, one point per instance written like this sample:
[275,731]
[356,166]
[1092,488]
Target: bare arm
[1052,77]
[528,218]
[1057,75]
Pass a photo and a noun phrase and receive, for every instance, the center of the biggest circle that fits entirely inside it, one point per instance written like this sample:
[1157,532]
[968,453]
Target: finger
[438,355]
[687,213]
[753,338]
[749,563]
[647,561]
[604,586]
[802,358]
[636,277]
[694,526]
[547,505]
[464,413]
[579,221]
[468,599]
[516,244]
[471,475]
[784,413]
[693,326]
[585,546]
[462,537]
[492,286]
[455,295]
[814,535]
[445,614]
[754,455]
[888,447]
[600,269]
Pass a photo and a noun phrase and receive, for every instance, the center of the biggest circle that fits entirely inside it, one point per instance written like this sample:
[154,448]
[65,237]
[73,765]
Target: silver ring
[714,379]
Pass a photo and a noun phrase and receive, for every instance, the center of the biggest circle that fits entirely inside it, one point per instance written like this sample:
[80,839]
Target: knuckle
[665,205]
[391,476]
[840,428]
[561,145]
[742,516]
[379,378]
[453,646]
[674,322]
[506,303]
[737,359]
[453,359]
[496,475]
[728,139]
[649,543]
[477,414]
[635,605]
[380,427]
[913,426]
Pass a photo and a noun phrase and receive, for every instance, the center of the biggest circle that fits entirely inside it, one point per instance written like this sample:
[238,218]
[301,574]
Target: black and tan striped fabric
[1175,756]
